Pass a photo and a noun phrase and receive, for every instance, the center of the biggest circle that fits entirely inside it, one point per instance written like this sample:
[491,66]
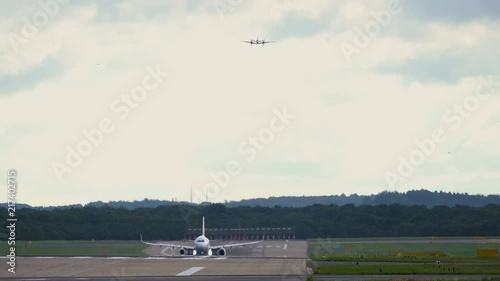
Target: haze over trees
[414,197]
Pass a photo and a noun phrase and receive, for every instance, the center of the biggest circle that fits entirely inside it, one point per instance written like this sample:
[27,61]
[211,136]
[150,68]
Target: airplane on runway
[257,41]
[201,246]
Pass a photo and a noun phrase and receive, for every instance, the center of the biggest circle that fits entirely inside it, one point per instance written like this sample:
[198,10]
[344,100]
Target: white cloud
[221,91]
[353,10]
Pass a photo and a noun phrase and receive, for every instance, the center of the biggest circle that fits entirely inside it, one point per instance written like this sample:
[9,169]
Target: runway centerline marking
[190,271]
[284,247]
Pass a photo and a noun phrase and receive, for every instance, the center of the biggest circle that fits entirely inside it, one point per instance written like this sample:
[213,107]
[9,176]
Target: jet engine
[221,252]
[182,251]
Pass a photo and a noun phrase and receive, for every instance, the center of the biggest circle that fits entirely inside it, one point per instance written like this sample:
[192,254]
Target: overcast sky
[125,100]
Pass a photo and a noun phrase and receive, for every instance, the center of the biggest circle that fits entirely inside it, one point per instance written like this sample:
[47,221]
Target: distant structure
[266,233]
[206,196]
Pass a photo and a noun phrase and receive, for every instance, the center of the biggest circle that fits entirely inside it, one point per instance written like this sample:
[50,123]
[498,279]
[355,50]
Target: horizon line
[254,198]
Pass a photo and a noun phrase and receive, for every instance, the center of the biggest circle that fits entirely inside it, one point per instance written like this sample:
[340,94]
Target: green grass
[76,248]
[383,249]
[441,279]
[435,238]
[446,259]
[409,269]
[460,257]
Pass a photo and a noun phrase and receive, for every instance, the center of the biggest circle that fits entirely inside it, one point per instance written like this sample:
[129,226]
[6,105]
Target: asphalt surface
[125,268]
[191,278]
[270,258]
[271,278]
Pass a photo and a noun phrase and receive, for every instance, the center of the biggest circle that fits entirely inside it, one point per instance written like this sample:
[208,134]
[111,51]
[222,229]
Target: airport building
[274,233]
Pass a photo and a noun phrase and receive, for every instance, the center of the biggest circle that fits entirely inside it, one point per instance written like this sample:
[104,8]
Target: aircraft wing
[234,245]
[167,245]
[249,42]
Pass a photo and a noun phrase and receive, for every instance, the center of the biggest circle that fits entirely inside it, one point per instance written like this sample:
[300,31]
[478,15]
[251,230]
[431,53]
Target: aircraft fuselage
[202,246]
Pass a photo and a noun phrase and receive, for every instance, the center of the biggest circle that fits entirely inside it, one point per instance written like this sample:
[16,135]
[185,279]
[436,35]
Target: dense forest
[170,222]
[413,197]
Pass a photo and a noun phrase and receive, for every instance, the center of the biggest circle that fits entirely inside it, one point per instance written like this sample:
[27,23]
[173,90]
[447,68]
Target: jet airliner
[257,41]
[201,246]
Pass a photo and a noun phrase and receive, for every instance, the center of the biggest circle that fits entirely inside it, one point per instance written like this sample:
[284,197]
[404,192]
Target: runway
[269,258]
[272,278]
[190,278]
[150,267]
[269,248]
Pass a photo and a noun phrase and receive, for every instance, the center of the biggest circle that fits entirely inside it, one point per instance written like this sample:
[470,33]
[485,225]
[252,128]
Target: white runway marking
[278,246]
[259,246]
[190,271]
[268,246]
[284,247]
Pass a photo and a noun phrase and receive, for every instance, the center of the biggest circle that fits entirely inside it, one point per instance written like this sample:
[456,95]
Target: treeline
[413,197]
[170,222]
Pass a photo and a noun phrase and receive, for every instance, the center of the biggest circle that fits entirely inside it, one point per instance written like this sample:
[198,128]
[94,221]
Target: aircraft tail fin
[203,227]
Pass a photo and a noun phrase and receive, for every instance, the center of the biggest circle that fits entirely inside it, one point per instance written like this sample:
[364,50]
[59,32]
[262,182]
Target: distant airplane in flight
[201,246]
[257,41]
